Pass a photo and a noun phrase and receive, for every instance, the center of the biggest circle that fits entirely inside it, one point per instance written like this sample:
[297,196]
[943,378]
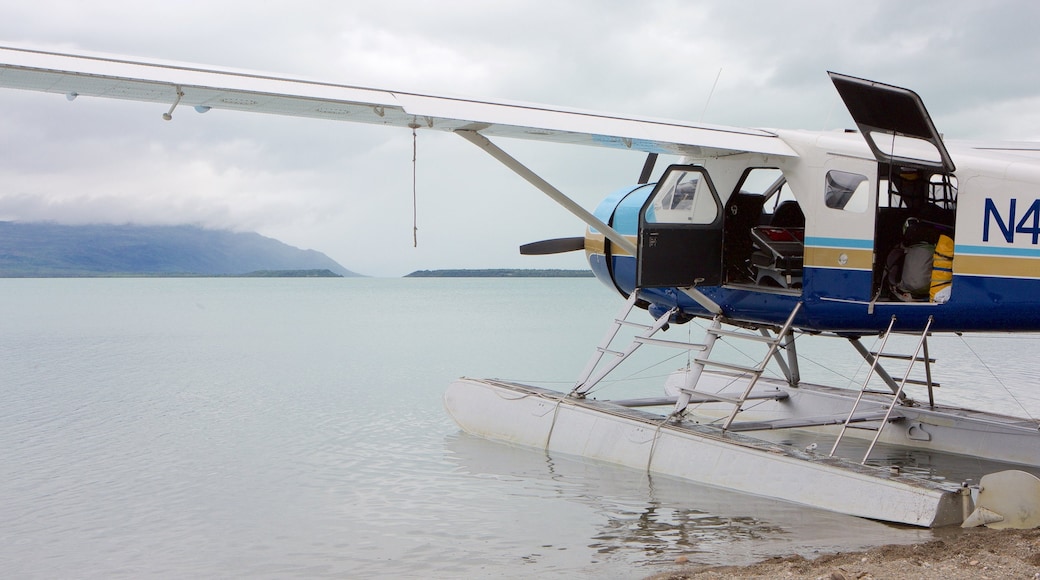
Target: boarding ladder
[590,377]
[897,388]
[688,393]
[715,331]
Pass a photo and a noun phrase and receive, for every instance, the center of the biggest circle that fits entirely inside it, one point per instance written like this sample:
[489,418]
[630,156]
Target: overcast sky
[346,189]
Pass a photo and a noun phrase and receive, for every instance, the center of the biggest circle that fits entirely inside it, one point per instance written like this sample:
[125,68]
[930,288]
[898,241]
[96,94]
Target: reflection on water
[662,531]
[649,520]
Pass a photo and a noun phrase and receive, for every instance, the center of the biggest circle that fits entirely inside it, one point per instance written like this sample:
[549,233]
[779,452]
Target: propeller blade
[556,246]
[648,168]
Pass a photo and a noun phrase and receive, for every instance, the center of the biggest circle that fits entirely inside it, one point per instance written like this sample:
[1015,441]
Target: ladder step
[745,335]
[608,351]
[669,343]
[922,383]
[729,366]
[633,324]
[902,357]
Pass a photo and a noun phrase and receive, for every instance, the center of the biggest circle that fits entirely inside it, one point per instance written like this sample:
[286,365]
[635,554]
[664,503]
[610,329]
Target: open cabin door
[894,122]
[916,190]
[680,231]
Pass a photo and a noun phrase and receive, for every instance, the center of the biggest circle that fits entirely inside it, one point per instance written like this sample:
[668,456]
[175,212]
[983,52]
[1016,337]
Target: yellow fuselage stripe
[595,244]
[845,258]
[1002,266]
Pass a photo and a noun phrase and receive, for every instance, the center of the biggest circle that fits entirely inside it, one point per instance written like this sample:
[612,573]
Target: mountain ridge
[47,249]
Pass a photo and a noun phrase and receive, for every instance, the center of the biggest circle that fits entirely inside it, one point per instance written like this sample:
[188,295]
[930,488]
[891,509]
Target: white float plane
[769,235]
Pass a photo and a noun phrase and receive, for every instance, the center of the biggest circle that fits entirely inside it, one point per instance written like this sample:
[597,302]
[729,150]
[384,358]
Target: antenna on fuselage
[712,92]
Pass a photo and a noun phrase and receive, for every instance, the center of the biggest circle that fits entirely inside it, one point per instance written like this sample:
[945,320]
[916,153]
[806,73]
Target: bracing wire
[636,374]
[1000,382]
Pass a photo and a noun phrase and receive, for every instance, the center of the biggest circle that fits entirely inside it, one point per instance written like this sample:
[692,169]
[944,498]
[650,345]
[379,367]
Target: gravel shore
[976,553]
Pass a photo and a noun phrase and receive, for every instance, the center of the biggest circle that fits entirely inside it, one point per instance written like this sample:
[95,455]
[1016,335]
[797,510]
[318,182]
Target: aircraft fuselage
[844,257]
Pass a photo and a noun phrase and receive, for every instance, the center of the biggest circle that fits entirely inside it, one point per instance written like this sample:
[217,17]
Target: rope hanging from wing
[415,206]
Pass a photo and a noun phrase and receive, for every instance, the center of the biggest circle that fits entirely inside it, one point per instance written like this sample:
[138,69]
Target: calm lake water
[294,428]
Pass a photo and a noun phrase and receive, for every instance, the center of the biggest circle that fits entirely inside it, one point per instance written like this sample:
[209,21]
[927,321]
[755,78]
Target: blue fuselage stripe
[838,242]
[991,251]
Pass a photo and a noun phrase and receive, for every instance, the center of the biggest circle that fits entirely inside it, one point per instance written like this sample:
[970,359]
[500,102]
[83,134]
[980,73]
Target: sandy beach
[976,553]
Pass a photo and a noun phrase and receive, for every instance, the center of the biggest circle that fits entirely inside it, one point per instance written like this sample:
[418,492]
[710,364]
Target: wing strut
[547,188]
[569,204]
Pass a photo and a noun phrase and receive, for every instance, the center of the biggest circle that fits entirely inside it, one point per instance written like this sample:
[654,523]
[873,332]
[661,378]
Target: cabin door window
[680,231]
[846,191]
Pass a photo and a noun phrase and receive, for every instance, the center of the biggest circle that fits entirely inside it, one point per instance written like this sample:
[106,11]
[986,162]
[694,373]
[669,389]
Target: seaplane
[763,237]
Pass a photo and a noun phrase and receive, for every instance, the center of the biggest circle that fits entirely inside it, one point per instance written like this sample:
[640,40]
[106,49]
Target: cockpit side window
[684,197]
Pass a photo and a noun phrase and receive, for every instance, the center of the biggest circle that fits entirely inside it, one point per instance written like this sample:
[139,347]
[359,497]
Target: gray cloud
[347,190]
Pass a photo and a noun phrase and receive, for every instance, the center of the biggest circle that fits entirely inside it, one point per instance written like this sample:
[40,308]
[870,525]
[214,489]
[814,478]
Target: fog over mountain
[56,250]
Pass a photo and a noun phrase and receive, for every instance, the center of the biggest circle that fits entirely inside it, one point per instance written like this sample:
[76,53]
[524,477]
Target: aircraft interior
[764,229]
[916,209]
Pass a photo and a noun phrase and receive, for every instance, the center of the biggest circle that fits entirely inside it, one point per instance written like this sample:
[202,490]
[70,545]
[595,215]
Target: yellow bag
[942,270]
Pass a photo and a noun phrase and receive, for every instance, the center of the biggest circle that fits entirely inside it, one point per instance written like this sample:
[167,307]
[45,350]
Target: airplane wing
[176,84]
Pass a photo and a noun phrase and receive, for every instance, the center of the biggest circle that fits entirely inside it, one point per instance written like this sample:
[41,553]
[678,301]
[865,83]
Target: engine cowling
[620,210]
